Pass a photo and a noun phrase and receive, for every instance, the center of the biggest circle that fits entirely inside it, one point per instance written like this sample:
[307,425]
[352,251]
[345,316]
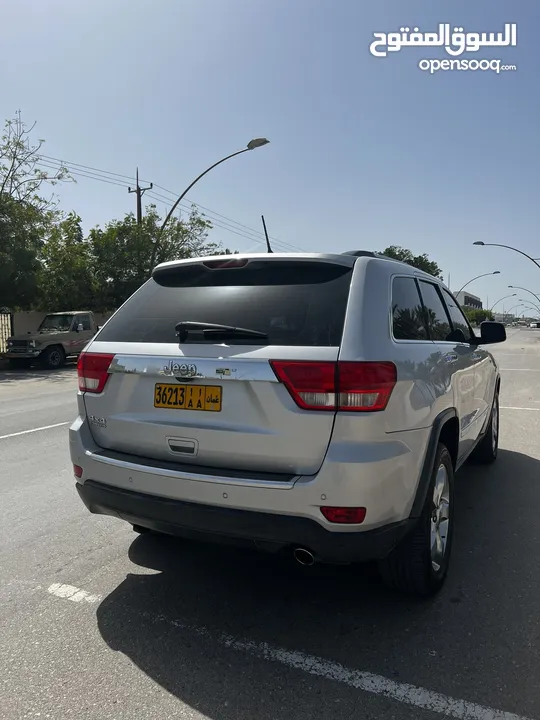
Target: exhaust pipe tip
[304,557]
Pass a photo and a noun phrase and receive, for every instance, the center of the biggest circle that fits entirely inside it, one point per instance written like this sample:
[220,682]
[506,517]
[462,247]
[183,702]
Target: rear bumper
[266,531]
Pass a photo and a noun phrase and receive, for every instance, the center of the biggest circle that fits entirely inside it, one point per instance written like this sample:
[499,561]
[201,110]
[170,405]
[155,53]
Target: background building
[466,299]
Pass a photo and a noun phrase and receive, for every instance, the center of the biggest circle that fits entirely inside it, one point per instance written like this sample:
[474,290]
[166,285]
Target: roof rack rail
[370,253]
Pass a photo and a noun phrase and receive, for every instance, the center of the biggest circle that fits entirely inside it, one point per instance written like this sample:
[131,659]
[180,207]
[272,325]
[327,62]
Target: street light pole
[521,305]
[252,145]
[530,302]
[518,287]
[513,308]
[500,300]
[495,272]
[508,247]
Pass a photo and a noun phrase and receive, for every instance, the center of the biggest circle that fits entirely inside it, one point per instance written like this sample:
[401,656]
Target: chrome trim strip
[216,369]
[191,476]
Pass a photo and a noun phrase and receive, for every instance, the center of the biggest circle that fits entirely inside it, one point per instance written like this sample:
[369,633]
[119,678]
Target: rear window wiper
[215,330]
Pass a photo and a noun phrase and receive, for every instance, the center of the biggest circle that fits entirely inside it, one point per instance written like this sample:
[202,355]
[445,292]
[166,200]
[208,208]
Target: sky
[364,151]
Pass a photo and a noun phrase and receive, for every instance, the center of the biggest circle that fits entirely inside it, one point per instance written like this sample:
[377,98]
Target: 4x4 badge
[223,372]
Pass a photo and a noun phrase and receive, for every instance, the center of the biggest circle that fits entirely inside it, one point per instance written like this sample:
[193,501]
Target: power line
[246,227]
[253,234]
[47,166]
[215,223]
[87,167]
[224,222]
[91,172]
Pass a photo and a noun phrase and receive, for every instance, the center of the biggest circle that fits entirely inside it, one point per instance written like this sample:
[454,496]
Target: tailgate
[212,403]
[234,415]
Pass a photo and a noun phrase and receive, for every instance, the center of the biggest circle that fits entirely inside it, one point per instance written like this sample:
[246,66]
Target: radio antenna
[269,249]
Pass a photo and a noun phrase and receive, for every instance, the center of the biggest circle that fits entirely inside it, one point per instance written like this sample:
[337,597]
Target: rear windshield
[294,303]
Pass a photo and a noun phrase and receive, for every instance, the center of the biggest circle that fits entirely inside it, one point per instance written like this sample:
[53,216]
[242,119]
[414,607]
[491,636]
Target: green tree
[121,253]
[22,230]
[422,262]
[65,279]
[26,215]
[477,316]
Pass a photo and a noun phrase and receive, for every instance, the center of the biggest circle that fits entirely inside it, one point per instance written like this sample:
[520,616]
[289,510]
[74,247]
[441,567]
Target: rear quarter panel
[424,387]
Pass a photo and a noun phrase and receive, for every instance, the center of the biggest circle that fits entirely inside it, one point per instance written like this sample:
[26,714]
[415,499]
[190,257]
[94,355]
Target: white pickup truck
[59,336]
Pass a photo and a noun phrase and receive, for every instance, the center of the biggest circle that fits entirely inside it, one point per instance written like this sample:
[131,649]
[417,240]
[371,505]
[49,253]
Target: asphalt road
[97,622]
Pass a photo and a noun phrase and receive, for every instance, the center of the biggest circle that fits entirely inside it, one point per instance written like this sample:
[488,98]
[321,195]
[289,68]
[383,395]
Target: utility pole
[140,192]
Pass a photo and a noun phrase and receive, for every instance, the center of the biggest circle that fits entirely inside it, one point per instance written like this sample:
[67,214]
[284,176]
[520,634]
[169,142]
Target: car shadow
[175,618]
[37,372]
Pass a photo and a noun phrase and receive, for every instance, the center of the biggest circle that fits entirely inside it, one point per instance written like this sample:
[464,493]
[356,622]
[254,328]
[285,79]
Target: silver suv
[314,404]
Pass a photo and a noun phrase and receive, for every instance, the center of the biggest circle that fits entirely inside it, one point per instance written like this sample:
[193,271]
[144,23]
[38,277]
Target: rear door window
[408,321]
[438,322]
[294,302]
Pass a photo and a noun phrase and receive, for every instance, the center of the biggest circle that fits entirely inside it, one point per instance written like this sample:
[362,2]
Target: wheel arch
[445,429]
[53,346]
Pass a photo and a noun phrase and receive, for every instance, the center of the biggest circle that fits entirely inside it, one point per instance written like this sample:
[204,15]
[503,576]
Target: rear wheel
[419,564]
[53,357]
[488,448]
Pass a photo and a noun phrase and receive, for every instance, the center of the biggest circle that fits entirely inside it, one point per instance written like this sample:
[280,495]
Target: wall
[24,322]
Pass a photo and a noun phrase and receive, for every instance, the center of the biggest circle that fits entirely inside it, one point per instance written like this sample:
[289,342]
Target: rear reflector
[77,471]
[92,370]
[344,515]
[351,386]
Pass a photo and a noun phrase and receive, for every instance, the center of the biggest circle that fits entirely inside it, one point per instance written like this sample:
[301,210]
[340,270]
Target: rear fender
[429,461]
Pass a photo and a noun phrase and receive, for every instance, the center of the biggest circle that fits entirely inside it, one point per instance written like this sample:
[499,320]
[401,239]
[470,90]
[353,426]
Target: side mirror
[491,333]
[80,327]
[99,328]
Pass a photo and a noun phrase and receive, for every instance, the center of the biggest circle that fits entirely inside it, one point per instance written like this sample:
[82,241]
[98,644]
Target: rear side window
[436,317]
[459,321]
[293,302]
[407,314]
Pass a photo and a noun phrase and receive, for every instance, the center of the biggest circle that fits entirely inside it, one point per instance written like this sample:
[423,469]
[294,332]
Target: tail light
[92,370]
[351,386]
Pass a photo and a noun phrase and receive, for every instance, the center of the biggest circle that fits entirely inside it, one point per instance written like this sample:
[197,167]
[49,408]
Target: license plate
[188,397]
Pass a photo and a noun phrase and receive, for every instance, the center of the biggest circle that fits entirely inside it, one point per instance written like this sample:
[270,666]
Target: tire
[19,363]
[415,567]
[485,453]
[53,357]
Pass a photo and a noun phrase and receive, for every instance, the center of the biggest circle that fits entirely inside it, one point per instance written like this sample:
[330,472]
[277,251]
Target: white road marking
[360,680]
[521,369]
[72,593]
[518,408]
[33,430]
